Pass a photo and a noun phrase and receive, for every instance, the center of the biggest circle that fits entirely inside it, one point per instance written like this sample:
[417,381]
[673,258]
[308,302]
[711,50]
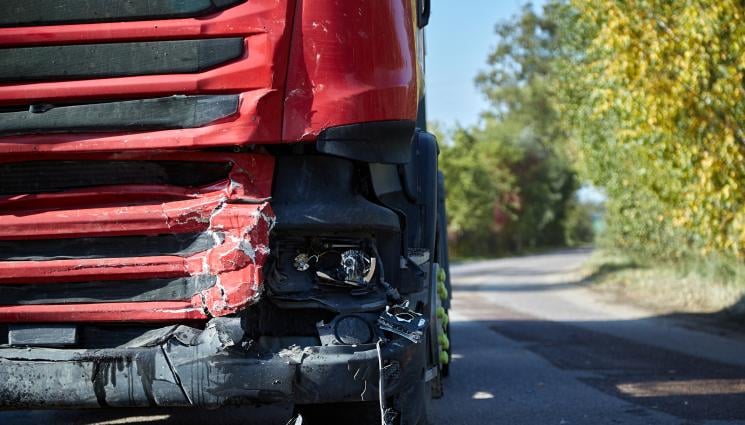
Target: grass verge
[710,287]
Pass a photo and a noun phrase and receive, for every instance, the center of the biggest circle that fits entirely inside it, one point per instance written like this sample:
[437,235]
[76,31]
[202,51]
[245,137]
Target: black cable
[390,291]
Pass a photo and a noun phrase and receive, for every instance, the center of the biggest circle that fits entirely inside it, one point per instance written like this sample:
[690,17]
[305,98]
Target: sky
[459,37]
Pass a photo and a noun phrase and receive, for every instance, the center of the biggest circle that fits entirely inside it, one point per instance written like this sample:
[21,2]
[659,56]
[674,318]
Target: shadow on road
[636,381]
[533,370]
[681,385]
[143,416]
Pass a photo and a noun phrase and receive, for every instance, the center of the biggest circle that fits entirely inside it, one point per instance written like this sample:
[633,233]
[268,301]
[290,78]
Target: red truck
[220,202]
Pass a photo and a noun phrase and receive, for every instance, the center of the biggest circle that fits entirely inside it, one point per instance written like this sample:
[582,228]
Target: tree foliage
[644,98]
[475,182]
[510,183]
[652,92]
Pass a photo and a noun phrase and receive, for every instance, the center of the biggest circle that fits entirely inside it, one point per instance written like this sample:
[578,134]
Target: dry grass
[667,289]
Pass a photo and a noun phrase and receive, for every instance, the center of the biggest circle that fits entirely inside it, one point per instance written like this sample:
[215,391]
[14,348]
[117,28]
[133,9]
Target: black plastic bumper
[183,366]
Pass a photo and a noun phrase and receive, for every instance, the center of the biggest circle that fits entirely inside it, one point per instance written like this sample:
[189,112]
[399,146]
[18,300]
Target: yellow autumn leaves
[656,95]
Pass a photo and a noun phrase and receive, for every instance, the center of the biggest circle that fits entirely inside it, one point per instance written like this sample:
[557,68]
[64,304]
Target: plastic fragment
[402,321]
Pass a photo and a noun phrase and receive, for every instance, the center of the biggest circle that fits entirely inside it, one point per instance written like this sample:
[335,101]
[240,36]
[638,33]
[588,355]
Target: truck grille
[145,250]
[103,76]
[16,13]
[116,201]
[82,61]
[33,177]
[175,112]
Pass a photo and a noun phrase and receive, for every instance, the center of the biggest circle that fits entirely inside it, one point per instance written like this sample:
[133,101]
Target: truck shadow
[532,370]
[141,416]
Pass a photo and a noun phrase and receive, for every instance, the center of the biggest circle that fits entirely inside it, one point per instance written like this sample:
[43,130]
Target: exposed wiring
[380,260]
[380,382]
[390,291]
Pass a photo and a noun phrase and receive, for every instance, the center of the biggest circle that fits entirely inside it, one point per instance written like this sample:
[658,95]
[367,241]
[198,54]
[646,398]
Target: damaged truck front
[219,202]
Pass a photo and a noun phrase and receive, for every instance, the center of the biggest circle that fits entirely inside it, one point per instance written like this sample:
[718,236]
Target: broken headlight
[338,264]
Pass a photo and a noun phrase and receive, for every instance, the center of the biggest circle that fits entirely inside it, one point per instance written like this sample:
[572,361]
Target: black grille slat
[178,289]
[52,12]
[175,112]
[34,177]
[83,61]
[181,245]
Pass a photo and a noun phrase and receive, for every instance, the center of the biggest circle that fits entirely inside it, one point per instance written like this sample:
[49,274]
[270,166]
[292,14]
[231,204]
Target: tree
[519,83]
[653,94]
[510,183]
[475,181]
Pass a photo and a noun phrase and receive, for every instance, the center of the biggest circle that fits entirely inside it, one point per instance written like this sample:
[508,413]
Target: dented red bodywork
[307,66]
[351,62]
[236,207]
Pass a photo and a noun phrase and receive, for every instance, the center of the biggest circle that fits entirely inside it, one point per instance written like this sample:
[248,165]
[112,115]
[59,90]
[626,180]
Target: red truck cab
[213,202]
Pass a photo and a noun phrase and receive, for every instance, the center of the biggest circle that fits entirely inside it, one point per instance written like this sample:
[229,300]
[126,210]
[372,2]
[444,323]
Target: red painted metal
[259,76]
[102,312]
[115,220]
[250,18]
[350,62]
[237,208]
[100,269]
[308,65]
[253,123]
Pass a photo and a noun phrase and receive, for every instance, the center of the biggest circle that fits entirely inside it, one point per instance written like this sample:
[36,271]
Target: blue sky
[459,38]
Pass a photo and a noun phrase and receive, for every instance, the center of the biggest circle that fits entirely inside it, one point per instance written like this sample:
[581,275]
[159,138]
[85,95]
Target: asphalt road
[533,347]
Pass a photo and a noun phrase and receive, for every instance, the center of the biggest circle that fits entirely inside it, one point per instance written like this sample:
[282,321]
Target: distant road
[532,348]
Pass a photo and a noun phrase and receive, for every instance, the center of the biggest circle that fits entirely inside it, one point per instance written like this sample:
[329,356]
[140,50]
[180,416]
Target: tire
[444,262]
[445,369]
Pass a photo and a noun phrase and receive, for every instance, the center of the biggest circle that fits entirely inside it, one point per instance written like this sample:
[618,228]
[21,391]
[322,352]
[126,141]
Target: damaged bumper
[184,366]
